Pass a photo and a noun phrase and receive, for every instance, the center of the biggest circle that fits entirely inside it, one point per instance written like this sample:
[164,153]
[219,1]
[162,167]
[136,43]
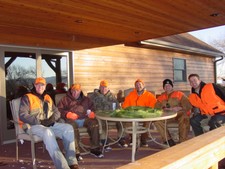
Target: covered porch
[207,146]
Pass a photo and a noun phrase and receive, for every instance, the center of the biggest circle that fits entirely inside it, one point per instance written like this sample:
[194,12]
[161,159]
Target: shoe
[79,158]
[144,143]
[107,148]
[103,142]
[170,142]
[97,153]
[130,143]
[122,143]
[75,166]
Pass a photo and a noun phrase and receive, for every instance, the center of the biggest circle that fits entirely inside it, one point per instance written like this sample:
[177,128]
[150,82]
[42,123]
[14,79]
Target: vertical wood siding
[122,65]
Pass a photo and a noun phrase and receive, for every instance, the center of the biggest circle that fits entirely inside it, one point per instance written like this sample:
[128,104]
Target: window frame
[184,70]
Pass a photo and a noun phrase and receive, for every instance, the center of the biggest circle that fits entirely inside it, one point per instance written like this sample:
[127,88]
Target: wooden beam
[52,40]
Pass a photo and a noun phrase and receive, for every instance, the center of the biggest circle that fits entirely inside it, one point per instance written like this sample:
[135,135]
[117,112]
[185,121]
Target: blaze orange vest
[175,94]
[209,103]
[36,107]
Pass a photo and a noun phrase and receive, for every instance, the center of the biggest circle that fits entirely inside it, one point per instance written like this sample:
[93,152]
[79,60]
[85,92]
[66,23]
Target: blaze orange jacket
[208,101]
[146,99]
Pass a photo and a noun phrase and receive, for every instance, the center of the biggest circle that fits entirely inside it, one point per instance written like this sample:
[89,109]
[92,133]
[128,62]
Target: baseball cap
[104,83]
[76,86]
[40,80]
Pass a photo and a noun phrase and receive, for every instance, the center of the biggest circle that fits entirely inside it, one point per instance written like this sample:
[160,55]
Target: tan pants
[183,127]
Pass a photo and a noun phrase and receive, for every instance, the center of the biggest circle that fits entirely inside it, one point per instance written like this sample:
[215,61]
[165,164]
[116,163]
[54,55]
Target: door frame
[6,135]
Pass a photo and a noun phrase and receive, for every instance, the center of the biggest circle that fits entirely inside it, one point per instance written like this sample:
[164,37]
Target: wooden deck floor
[116,157]
[113,159]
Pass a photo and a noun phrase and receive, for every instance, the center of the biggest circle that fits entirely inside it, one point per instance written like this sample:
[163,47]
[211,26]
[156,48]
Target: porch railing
[202,152]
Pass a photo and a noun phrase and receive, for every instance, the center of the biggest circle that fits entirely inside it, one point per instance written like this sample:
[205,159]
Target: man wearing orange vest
[210,100]
[140,97]
[177,102]
[38,110]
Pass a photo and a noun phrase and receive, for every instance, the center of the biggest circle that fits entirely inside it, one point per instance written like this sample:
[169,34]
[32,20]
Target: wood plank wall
[122,65]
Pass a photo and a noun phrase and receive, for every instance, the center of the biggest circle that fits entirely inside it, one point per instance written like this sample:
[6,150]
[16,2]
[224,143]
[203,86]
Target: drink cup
[88,111]
[114,106]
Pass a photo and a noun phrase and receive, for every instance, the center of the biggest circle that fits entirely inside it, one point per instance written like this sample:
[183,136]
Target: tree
[220,45]
[19,76]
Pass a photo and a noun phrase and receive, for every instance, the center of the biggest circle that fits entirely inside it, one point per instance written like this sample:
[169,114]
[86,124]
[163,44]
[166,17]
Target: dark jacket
[79,106]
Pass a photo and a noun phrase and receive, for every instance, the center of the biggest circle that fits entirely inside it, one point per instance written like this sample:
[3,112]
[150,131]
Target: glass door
[21,67]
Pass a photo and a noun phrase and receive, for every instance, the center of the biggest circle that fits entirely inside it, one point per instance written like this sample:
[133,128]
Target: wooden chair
[20,134]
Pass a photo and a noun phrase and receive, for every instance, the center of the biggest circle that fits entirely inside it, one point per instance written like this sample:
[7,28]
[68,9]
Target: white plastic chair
[20,134]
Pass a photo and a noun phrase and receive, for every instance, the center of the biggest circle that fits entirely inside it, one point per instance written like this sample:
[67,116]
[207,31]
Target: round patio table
[136,129]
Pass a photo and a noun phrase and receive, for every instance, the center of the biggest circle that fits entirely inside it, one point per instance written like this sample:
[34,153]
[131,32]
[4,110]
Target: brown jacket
[79,106]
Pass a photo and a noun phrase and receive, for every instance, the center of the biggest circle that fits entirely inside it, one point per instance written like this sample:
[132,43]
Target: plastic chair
[20,134]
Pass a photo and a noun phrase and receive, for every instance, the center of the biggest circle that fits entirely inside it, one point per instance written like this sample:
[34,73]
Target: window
[179,68]
[20,72]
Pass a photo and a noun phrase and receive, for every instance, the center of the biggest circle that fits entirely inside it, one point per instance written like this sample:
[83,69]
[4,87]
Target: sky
[209,36]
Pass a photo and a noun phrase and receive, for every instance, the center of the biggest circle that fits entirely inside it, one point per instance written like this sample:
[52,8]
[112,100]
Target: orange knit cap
[104,83]
[76,86]
[139,80]
[40,80]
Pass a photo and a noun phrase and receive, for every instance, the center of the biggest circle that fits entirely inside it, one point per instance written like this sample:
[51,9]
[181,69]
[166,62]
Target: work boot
[75,166]
[144,143]
[170,142]
[79,157]
[122,142]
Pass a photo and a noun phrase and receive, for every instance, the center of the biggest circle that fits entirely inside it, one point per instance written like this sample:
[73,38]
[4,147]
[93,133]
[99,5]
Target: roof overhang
[158,44]
[75,25]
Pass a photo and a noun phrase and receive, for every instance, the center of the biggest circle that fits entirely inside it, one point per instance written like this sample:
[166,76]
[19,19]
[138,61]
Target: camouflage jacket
[104,102]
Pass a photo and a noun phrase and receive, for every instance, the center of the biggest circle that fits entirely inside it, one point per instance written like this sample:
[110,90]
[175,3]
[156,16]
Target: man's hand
[176,109]
[72,116]
[91,115]
[48,122]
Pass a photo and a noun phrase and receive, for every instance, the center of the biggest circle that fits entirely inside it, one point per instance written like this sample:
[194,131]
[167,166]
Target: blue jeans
[80,122]
[49,134]
[214,122]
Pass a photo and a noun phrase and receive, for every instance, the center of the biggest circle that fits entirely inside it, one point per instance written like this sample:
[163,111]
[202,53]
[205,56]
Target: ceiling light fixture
[215,14]
[79,21]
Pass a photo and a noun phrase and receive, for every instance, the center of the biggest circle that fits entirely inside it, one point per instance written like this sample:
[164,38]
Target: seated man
[178,102]
[38,110]
[209,99]
[140,97]
[78,110]
[103,99]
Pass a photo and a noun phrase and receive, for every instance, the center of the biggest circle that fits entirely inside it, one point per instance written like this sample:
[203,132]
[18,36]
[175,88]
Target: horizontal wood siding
[122,65]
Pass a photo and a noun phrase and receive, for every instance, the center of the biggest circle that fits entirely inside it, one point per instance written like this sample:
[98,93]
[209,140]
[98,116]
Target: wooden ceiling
[82,24]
